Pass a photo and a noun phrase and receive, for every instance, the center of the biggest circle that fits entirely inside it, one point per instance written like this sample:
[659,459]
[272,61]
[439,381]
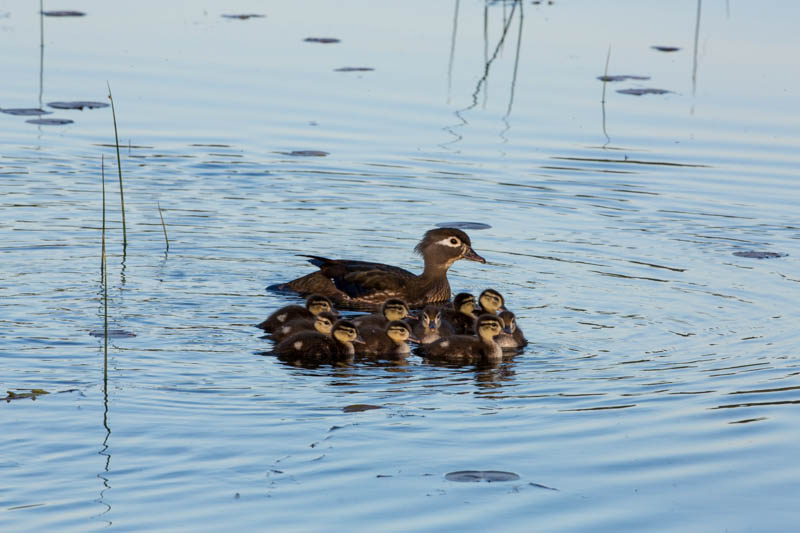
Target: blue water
[660,391]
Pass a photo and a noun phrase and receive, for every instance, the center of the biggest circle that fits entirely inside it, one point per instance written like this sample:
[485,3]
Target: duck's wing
[339,267]
[361,283]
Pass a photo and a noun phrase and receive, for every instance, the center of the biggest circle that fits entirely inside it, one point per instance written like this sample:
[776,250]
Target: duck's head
[464,302]
[491,301]
[488,326]
[346,332]
[445,246]
[509,321]
[316,304]
[398,331]
[324,321]
[431,317]
[394,309]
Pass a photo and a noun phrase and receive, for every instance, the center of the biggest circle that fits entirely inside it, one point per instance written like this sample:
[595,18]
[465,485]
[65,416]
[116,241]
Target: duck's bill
[472,256]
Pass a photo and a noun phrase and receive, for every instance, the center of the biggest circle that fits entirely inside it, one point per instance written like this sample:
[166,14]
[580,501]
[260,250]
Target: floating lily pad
[49,121]
[25,111]
[245,16]
[665,48]
[463,225]
[306,153]
[358,407]
[77,105]
[112,333]
[622,77]
[754,254]
[323,40]
[646,90]
[475,476]
[65,13]
[354,69]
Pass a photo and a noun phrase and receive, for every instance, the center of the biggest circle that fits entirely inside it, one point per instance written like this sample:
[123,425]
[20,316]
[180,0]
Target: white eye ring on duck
[452,242]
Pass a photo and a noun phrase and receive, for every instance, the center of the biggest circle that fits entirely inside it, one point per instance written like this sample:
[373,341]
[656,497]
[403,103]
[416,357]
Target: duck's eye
[454,241]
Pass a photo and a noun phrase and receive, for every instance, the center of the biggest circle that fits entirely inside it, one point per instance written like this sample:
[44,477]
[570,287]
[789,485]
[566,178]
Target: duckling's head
[394,309]
[345,332]
[488,326]
[464,302]
[509,321]
[316,304]
[398,331]
[324,321]
[491,301]
[444,246]
[431,317]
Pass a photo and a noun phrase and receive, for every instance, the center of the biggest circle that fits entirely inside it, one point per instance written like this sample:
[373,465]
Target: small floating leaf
[306,153]
[25,111]
[665,48]
[354,69]
[112,333]
[77,105]
[622,77]
[463,225]
[245,16]
[23,395]
[65,13]
[640,92]
[323,40]
[358,407]
[753,254]
[49,121]
[481,475]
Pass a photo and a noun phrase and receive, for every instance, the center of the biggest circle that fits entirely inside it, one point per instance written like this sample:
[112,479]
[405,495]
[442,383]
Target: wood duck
[315,304]
[468,348]
[391,309]
[389,341]
[461,316]
[429,326]
[490,302]
[323,323]
[315,348]
[511,337]
[362,284]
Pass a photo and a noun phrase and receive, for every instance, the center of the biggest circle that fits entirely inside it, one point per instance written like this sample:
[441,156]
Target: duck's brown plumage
[389,341]
[461,316]
[468,348]
[315,304]
[363,284]
[512,336]
[311,347]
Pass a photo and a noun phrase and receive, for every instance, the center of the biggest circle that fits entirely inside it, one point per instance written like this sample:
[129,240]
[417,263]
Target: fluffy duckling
[315,304]
[429,325]
[390,341]
[467,348]
[322,323]
[391,309]
[490,302]
[511,337]
[316,348]
[364,284]
[461,316]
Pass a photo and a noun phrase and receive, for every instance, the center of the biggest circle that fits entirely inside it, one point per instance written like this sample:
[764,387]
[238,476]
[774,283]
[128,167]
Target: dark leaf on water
[49,121]
[640,92]
[358,407]
[25,111]
[753,254]
[622,77]
[65,13]
[245,16]
[481,475]
[77,105]
[354,69]
[112,333]
[28,394]
[463,225]
[306,153]
[323,40]
[665,48]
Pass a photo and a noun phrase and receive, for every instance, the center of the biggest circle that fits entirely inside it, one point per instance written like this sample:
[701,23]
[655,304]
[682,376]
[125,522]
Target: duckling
[468,348]
[390,341]
[322,323]
[461,316]
[315,304]
[429,326]
[391,309]
[362,284]
[490,302]
[316,348]
[511,337]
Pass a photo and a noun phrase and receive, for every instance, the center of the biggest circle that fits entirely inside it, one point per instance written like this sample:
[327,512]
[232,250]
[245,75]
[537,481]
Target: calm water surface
[661,387]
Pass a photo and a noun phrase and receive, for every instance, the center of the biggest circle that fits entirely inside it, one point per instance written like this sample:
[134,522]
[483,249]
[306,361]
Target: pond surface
[648,245]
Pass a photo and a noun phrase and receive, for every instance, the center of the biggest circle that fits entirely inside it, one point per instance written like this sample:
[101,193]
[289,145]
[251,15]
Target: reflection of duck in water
[315,304]
[361,283]
[391,309]
[461,316]
[469,349]
[390,341]
[314,347]
[323,323]
[511,337]
[429,325]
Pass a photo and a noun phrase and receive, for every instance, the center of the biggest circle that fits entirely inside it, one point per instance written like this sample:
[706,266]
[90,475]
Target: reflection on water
[649,256]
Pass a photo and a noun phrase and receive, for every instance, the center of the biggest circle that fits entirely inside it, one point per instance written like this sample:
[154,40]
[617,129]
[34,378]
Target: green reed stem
[119,170]
[163,225]
[104,271]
